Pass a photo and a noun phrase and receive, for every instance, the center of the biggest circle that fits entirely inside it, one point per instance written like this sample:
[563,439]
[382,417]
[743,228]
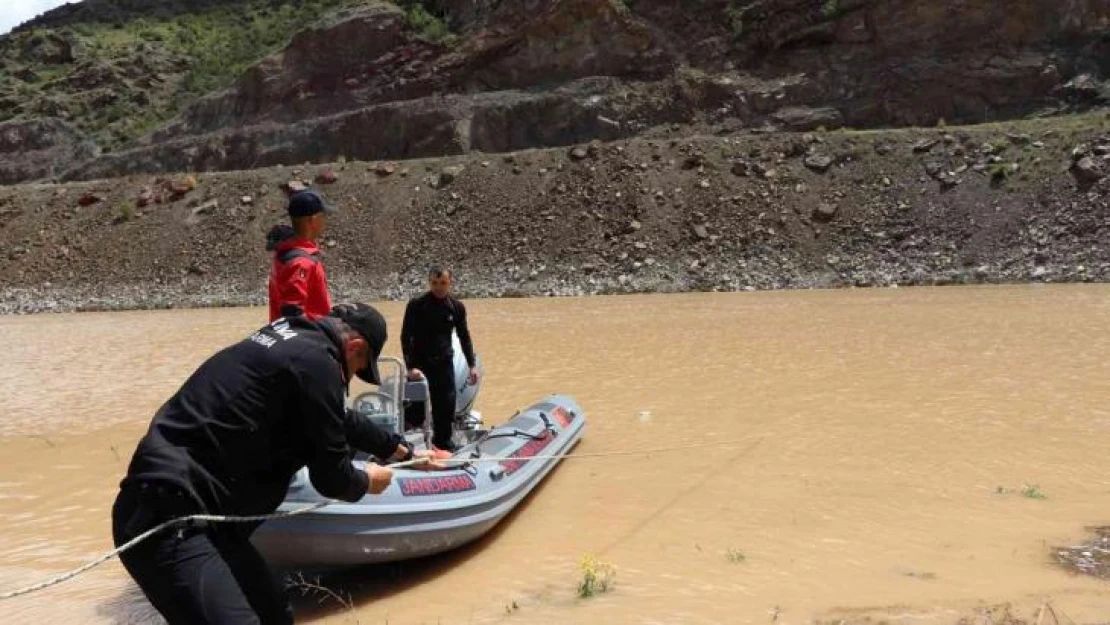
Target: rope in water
[211,518]
[219,518]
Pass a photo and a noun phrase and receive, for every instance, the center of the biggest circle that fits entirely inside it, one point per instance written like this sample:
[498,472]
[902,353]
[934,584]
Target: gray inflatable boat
[424,513]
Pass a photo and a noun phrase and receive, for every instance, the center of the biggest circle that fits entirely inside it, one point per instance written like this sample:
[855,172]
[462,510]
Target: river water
[903,455]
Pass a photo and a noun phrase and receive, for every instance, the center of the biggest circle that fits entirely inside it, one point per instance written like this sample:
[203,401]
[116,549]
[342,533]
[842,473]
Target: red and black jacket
[298,284]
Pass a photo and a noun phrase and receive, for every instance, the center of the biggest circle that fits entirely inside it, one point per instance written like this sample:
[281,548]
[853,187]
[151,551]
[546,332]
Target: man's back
[250,416]
[298,284]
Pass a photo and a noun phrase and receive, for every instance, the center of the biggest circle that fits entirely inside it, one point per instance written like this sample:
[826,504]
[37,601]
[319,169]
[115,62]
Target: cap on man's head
[370,324]
[307,203]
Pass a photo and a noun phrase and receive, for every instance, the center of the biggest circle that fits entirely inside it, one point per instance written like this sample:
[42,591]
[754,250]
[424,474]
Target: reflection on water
[865,435]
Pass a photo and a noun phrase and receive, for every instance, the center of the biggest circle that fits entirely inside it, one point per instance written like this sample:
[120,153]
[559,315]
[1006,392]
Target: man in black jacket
[426,341]
[229,441]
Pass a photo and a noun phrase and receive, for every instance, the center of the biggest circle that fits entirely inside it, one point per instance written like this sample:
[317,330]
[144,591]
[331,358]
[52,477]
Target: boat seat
[416,391]
[416,405]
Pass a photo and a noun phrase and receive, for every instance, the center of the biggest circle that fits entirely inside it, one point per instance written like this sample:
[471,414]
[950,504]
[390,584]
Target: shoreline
[45,300]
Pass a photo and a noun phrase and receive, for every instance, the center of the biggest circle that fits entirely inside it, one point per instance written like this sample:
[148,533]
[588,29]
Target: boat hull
[425,513]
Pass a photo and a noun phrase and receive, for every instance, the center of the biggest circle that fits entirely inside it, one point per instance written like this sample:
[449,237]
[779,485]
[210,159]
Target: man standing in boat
[426,342]
[298,285]
[228,443]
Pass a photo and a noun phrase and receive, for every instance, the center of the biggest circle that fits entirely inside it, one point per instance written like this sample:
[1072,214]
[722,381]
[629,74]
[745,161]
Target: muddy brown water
[865,438]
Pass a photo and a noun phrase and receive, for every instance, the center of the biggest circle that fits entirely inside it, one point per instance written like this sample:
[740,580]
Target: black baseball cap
[307,203]
[368,322]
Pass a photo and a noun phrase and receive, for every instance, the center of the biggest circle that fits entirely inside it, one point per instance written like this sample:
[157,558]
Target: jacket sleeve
[322,417]
[464,333]
[407,333]
[365,436]
[293,286]
[319,297]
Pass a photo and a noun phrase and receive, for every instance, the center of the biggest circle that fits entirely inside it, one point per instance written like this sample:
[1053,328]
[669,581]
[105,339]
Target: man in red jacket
[298,285]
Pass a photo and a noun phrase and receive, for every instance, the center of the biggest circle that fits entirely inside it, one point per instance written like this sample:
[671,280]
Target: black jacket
[254,414]
[426,330]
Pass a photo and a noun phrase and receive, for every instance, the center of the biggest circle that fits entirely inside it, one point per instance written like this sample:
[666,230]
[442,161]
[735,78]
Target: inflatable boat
[424,513]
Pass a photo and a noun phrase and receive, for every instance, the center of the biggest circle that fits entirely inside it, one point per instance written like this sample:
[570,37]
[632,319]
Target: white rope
[219,518]
[213,518]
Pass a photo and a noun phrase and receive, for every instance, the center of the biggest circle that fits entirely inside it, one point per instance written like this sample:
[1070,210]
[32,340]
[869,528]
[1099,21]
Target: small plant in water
[1032,491]
[597,577]
[735,556]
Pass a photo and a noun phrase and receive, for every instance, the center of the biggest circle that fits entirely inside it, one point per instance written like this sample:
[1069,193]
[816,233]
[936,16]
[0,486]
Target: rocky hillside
[1015,202]
[447,77]
[101,73]
[553,146]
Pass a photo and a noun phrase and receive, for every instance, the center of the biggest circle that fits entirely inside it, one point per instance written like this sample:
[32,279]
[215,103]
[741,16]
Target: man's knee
[263,590]
[444,383]
[188,581]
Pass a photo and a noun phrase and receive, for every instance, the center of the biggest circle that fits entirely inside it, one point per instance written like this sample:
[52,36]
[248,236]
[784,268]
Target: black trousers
[193,575]
[441,388]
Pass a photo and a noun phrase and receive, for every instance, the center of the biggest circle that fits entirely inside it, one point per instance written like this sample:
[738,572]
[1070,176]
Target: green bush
[430,26]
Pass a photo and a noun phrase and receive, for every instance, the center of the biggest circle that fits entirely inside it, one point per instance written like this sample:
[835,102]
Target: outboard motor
[466,418]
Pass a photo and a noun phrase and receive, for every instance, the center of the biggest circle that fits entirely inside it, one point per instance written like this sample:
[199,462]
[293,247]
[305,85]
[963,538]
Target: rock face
[361,86]
[308,78]
[534,73]
[32,150]
[367,56]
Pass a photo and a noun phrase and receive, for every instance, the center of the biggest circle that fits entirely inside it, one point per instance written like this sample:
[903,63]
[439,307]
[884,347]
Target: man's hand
[380,478]
[415,374]
[399,454]
[472,379]
[430,461]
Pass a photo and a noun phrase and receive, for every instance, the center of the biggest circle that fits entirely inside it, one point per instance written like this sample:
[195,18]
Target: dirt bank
[1023,201]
